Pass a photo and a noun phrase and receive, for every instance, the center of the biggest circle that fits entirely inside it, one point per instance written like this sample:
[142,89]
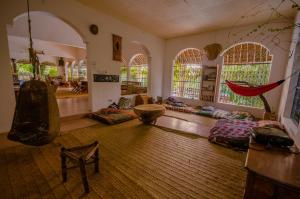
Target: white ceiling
[173,18]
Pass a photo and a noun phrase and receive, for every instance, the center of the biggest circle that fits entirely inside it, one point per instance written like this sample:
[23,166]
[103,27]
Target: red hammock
[252,91]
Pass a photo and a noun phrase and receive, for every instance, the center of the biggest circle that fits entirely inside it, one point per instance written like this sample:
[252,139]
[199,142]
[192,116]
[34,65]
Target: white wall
[173,46]
[288,91]
[99,50]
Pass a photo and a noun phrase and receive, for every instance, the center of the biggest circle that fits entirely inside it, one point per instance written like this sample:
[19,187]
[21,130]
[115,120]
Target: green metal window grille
[250,62]
[187,74]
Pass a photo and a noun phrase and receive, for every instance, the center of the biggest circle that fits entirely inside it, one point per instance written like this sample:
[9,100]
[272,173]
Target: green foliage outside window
[123,75]
[49,70]
[255,74]
[25,71]
[133,73]
[186,80]
[139,74]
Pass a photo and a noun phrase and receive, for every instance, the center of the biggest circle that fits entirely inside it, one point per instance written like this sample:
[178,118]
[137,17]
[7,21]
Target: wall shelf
[209,79]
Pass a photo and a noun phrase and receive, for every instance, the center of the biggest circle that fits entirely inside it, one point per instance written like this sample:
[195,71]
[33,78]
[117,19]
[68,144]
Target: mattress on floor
[113,116]
[232,133]
[215,113]
[185,109]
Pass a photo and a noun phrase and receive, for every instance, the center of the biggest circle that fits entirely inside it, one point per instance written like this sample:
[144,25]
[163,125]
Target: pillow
[124,103]
[208,108]
[114,106]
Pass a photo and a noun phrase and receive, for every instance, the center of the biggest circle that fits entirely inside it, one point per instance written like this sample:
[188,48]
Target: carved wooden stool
[80,156]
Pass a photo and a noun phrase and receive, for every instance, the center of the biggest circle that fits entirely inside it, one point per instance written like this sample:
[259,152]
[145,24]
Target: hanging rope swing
[36,118]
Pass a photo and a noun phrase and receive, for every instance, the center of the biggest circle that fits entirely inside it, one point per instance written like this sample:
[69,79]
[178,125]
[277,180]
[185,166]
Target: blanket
[232,133]
[235,133]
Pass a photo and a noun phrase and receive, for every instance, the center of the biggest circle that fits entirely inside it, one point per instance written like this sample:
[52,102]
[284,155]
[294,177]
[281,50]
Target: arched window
[250,62]
[138,69]
[123,71]
[187,73]
[82,70]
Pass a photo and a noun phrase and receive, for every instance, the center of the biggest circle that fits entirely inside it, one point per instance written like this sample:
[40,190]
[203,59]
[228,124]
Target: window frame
[133,64]
[297,91]
[200,64]
[292,127]
[268,53]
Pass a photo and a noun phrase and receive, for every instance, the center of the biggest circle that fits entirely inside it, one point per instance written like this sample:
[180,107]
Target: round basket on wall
[213,50]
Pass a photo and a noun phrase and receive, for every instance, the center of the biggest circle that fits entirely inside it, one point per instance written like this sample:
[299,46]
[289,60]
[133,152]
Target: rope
[29,25]
[32,55]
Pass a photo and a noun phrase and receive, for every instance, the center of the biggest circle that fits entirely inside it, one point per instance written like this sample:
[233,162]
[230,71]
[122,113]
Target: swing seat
[36,118]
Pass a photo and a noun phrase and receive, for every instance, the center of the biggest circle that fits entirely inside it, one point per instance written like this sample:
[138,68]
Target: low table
[148,113]
[272,173]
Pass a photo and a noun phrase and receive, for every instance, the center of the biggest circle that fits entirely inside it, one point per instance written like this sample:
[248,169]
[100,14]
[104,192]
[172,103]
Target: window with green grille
[250,62]
[138,69]
[139,74]
[123,73]
[187,74]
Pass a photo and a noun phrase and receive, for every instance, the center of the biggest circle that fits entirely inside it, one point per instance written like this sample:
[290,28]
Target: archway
[60,46]
[135,74]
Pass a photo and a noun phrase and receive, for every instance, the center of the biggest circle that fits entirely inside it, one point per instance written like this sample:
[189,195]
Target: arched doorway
[59,45]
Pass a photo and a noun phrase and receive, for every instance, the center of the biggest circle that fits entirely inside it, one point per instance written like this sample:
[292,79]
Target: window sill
[242,106]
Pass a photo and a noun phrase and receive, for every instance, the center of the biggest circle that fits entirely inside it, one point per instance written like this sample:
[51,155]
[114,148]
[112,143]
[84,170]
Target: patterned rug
[137,161]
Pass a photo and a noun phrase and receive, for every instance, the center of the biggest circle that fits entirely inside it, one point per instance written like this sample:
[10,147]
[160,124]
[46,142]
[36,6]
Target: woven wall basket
[213,50]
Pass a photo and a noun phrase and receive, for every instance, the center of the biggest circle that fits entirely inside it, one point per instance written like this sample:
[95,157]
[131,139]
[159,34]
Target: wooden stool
[80,156]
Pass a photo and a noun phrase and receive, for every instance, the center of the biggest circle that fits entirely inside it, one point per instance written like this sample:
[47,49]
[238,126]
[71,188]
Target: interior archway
[135,74]
[58,45]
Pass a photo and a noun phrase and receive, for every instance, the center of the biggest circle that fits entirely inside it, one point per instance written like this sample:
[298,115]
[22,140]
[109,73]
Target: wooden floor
[137,161]
[181,125]
[73,106]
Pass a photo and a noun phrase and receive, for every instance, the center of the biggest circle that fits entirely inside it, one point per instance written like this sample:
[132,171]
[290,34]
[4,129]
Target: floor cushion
[232,133]
[113,116]
[184,109]
[124,103]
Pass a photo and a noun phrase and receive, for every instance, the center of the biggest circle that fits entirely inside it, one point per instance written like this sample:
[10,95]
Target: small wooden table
[272,173]
[148,113]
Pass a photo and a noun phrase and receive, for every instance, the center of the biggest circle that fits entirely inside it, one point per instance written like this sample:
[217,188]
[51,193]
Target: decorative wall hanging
[213,50]
[117,48]
[106,78]
[94,29]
